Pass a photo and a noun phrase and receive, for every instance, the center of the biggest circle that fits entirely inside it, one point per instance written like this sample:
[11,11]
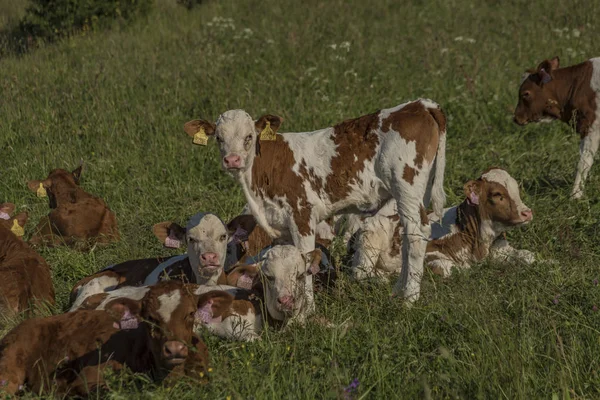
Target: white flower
[444,50]
[345,45]
[333,46]
[470,40]
[576,33]
[458,39]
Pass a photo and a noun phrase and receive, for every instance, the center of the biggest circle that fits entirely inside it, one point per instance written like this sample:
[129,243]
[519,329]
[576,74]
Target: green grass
[118,100]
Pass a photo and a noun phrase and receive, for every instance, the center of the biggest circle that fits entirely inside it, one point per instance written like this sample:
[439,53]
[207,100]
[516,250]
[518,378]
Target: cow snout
[527,215]
[175,352]
[232,161]
[519,121]
[286,302]
[209,259]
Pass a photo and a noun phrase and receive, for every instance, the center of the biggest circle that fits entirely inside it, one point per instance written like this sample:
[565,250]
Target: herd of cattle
[370,180]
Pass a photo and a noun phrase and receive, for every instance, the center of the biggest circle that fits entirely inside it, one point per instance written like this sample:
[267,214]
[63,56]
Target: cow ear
[77,172]
[267,126]
[169,234]
[212,306]
[6,210]
[241,227]
[472,191]
[546,68]
[199,130]
[125,311]
[243,276]
[313,259]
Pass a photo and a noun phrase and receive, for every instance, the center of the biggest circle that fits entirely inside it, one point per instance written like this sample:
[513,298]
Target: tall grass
[118,99]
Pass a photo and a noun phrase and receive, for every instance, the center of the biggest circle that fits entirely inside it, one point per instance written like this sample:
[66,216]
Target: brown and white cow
[77,218]
[70,352]
[571,93]
[292,181]
[466,234]
[26,277]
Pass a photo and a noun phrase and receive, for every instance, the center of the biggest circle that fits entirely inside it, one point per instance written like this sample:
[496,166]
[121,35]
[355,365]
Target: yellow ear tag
[17,229]
[267,133]
[41,191]
[200,138]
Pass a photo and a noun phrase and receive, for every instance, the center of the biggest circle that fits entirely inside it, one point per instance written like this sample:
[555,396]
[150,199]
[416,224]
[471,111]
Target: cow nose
[209,259]
[232,161]
[518,121]
[175,349]
[286,301]
[527,215]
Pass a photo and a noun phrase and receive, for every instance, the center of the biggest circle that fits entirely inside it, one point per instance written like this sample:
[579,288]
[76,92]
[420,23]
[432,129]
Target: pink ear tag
[172,242]
[204,314]
[473,198]
[4,215]
[128,321]
[245,282]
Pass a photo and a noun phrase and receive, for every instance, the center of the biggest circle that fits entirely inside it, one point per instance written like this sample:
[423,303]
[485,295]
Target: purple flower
[594,308]
[351,389]
[3,382]
[596,282]
[555,301]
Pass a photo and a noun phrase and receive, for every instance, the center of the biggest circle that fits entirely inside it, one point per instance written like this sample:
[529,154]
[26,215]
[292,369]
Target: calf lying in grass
[25,274]
[467,233]
[208,240]
[77,219]
[69,353]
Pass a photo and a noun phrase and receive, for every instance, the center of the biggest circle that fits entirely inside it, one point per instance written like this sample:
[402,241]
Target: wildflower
[594,308]
[444,50]
[210,370]
[352,388]
[3,382]
[333,46]
[555,301]
[469,40]
[458,39]
[576,33]
[595,282]
[345,46]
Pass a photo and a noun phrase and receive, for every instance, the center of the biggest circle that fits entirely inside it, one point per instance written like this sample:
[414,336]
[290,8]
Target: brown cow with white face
[69,352]
[77,218]
[572,93]
[292,181]
[467,233]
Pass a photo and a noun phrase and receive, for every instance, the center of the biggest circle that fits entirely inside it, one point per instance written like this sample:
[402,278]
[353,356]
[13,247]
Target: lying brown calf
[25,274]
[76,215]
[70,352]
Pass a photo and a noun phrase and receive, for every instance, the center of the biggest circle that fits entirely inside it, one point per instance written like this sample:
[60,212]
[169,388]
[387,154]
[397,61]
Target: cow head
[536,101]
[170,309]
[60,186]
[495,195]
[238,136]
[206,238]
[287,275]
[14,223]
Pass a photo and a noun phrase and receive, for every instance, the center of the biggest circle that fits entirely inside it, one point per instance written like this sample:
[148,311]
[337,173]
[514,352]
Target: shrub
[53,19]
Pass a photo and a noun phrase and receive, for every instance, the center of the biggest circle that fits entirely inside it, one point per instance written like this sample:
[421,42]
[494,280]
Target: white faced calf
[467,233]
[292,181]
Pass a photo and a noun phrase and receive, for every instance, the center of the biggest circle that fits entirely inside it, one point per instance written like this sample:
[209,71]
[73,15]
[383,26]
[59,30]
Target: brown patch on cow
[416,123]
[222,279]
[423,215]
[26,275]
[356,141]
[77,219]
[396,248]
[240,307]
[272,176]
[409,174]
[566,96]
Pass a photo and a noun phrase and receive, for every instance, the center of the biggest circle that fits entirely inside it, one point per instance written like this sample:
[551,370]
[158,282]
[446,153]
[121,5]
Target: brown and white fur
[299,179]
[466,234]
[551,92]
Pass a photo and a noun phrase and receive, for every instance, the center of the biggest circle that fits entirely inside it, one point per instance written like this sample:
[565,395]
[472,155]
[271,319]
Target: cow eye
[248,138]
[192,240]
[497,194]
[223,238]
[219,139]
[526,95]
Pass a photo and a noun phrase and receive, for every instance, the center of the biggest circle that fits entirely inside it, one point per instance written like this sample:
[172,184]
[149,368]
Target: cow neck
[254,199]
[568,84]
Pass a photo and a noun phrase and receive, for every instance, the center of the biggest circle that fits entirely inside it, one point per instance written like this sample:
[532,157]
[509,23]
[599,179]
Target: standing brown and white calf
[570,93]
[77,217]
[25,274]
[466,234]
[292,181]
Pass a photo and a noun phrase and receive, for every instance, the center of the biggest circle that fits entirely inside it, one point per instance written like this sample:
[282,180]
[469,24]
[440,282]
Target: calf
[292,181]
[70,352]
[77,217]
[568,94]
[466,234]
[25,274]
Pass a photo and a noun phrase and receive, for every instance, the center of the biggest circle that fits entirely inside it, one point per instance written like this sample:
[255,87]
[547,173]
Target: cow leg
[587,151]
[303,236]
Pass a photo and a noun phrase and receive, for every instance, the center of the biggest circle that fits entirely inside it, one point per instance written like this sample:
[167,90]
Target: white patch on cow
[97,285]
[168,303]
[503,178]
[324,231]
[315,149]
[130,292]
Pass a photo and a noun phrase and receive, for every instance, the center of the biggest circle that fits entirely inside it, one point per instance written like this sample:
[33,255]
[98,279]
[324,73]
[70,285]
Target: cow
[567,94]
[292,181]
[77,218]
[70,352]
[466,234]
[26,278]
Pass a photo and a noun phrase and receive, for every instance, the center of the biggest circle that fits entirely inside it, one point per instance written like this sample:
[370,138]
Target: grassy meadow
[118,100]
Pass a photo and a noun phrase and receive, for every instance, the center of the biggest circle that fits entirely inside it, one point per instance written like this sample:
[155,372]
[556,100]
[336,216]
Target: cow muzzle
[174,352]
[232,162]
